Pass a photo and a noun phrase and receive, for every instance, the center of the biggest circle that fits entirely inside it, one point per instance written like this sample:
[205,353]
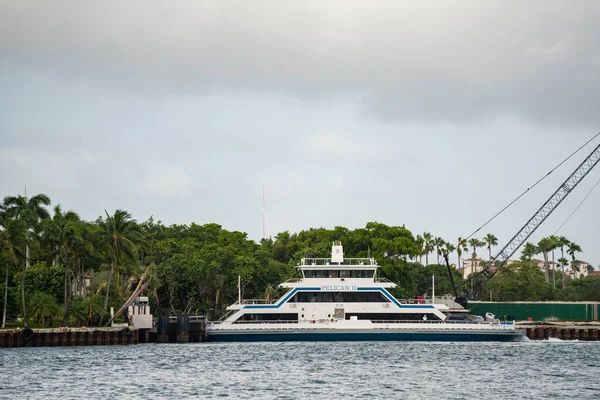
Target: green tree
[45,278]
[31,211]
[448,248]
[519,281]
[475,243]
[420,246]
[563,262]
[545,245]
[438,243]
[576,267]
[43,307]
[63,233]
[92,308]
[117,235]
[572,249]
[490,240]
[13,239]
[86,310]
[461,246]
[555,244]
[529,250]
[562,242]
[270,293]
[428,248]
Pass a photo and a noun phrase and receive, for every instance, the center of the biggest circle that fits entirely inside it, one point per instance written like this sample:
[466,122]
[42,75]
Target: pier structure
[168,329]
[544,332]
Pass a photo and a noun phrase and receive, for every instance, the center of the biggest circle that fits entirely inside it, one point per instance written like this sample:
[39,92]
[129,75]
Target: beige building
[479,263]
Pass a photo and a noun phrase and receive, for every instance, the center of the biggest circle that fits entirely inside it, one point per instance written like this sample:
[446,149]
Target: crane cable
[577,208]
[534,185]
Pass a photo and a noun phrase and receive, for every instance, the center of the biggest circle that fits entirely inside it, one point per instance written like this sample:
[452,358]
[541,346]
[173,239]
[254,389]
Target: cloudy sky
[429,114]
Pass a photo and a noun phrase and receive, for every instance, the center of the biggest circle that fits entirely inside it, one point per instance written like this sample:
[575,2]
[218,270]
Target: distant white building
[479,263]
[540,265]
[583,270]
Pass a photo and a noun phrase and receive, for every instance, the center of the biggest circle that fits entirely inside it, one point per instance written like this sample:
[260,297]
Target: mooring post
[183,329]
[163,329]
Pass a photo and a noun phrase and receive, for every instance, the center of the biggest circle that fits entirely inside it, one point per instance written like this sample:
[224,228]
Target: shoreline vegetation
[60,270]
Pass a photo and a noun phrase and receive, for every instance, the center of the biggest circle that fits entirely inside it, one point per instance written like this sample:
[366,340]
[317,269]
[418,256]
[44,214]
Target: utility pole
[263,212]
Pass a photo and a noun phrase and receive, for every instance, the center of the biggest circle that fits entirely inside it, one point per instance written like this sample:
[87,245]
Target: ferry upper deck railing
[256,301]
[293,280]
[308,262]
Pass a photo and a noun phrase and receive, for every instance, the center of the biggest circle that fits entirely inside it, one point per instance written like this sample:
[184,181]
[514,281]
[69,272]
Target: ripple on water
[526,369]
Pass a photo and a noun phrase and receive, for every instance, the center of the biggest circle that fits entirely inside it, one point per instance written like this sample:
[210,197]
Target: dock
[168,329]
[544,332]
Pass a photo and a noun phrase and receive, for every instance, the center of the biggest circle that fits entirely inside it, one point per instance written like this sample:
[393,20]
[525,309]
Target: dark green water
[392,370]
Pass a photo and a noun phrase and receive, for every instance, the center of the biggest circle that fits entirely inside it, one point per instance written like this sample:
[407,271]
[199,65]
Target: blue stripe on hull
[315,337]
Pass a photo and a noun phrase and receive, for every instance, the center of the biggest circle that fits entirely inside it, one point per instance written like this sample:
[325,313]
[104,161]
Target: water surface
[395,370]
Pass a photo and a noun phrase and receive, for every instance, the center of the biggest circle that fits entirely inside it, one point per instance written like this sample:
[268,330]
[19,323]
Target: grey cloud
[448,61]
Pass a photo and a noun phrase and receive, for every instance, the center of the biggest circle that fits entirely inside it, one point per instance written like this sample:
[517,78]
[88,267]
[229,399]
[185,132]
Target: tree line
[61,269]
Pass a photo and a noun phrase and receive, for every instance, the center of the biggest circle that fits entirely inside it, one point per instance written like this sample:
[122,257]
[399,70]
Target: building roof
[537,260]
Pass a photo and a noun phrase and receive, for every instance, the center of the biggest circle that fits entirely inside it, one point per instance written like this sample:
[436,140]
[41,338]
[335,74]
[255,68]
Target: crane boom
[534,222]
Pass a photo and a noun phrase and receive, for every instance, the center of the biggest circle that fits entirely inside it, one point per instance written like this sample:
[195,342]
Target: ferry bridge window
[338,274]
[310,274]
[269,317]
[339,297]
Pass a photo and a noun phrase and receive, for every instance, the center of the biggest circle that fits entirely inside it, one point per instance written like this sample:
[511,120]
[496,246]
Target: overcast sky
[429,114]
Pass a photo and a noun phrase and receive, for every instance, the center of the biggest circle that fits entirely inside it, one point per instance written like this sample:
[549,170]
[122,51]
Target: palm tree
[562,242]
[529,250]
[438,243]
[563,262]
[269,293]
[475,243]
[43,306]
[461,245]
[448,248]
[555,245]
[589,268]
[573,248]
[80,250]
[29,210]
[13,239]
[575,266]
[63,232]
[545,245]
[420,246]
[428,246]
[92,308]
[490,240]
[117,235]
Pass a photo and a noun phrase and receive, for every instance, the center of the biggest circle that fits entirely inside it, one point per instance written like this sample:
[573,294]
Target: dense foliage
[61,268]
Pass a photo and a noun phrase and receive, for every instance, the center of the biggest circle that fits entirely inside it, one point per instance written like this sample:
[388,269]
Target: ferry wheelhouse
[342,298]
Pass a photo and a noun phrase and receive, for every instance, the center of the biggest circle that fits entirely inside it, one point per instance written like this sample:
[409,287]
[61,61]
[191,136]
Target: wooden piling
[182,330]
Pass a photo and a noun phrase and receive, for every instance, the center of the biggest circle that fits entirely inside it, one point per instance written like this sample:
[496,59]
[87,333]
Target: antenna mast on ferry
[263,212]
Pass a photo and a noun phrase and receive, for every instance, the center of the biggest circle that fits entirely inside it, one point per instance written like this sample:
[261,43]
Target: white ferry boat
[341,298]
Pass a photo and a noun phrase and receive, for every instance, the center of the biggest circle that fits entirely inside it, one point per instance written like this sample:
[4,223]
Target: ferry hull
[328,335]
